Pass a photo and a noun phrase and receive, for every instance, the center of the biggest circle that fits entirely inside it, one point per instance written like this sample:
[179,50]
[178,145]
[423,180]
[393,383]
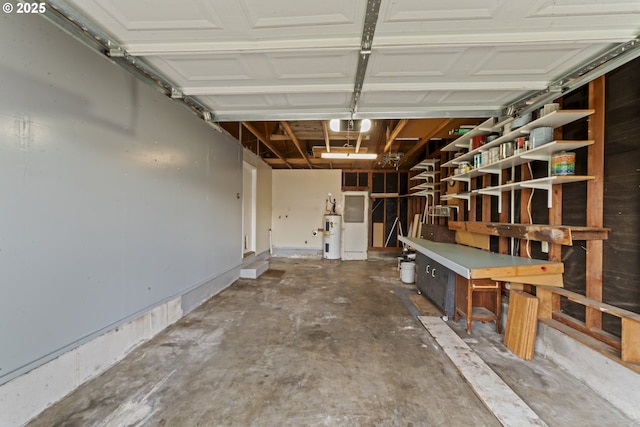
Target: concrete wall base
[24,397]
[297,253]
[613,381]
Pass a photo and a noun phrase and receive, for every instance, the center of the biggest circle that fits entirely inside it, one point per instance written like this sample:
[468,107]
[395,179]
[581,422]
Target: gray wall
[113,199]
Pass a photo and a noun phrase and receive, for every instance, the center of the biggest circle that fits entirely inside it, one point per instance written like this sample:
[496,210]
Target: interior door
[355,222]
[249,208]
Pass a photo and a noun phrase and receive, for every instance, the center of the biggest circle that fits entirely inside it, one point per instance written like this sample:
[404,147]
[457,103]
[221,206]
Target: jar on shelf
[563,163]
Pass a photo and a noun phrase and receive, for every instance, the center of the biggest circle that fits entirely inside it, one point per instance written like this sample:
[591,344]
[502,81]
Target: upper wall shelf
[426,175]
[543,152]
[426,164]
[554,119]
[545,183]
[484,128]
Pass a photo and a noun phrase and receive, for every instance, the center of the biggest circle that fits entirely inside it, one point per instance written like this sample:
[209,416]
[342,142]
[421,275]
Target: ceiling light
[350,156]
[362,126]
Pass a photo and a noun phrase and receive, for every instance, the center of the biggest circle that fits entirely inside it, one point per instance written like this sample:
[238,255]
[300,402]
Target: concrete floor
[320,345]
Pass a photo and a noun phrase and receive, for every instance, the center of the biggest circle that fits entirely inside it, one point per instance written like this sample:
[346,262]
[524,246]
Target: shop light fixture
[350,156]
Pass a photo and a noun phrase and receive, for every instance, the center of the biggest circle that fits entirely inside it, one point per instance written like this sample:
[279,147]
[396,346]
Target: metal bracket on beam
[116,52]
[614,58]
[175,93]
[368,31]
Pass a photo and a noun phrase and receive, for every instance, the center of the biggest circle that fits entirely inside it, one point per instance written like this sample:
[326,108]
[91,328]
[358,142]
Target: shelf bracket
[543,186]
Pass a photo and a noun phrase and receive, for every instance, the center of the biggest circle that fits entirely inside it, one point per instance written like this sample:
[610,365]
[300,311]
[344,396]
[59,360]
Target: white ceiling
[298,59]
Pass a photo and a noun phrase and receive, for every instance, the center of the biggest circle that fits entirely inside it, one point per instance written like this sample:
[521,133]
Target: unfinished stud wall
[621,269]
[114,199]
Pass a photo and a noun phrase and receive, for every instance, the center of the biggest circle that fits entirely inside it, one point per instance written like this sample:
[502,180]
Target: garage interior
[155,156]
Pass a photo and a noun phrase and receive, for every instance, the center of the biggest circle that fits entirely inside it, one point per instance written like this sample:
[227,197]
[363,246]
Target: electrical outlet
[545,247]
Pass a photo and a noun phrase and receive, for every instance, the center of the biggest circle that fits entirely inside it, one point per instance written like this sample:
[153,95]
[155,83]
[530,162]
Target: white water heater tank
[332,235]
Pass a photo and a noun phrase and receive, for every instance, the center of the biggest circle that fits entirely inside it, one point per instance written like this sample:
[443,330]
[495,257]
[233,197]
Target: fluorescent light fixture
[334,125]
[350,156]
[365,125]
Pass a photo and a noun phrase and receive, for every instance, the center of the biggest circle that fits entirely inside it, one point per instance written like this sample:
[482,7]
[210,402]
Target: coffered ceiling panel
[145,26]
[278,59]
[324,67]
[506,20]
[433,103]
[308,60]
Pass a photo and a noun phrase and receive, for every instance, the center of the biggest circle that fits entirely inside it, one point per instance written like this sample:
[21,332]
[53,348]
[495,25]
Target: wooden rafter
[358,142]
[390,138]
[394,134]
[265,141]
[294,138]
[425,139]
[327,140]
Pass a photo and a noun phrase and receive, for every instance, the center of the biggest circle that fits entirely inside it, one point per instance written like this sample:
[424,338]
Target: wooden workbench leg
[630,340]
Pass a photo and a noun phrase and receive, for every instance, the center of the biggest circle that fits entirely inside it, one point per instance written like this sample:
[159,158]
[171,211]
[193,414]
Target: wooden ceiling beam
[390,138]
[289,131]
[265,141]
[425,139]
[327,140]
[358,142]
[394,134]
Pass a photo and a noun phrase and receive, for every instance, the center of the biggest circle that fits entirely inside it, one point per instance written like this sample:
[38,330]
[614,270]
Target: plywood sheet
[424,306]
[522,321]
[499,398]
[378,235]
[474,240]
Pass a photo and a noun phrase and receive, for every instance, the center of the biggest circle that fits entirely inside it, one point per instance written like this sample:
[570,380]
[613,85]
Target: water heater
[331,241]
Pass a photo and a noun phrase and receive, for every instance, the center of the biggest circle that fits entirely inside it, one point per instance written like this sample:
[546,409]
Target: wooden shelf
[543,153]
[426,186]
[556,234]
[545,183]
[425,193]
[464,196]
[554,119]
[426,175]
[426,164]
[465,177]
[484,128]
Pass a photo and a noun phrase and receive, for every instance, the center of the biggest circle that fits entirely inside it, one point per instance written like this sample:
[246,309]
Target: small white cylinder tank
[332,234]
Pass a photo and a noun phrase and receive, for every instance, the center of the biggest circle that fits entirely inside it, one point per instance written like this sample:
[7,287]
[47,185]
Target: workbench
[473,277]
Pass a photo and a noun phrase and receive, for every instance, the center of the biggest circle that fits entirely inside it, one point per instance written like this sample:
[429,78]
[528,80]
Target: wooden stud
[555,218]
[486,199]
[503,242]
[549,302]
[595,198]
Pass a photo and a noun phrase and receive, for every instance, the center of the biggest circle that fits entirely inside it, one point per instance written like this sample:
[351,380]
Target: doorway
[249,183]
[355,235]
